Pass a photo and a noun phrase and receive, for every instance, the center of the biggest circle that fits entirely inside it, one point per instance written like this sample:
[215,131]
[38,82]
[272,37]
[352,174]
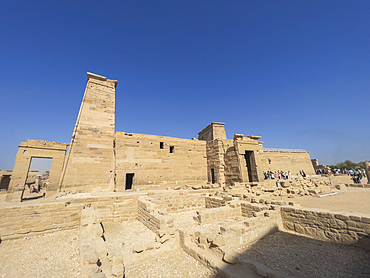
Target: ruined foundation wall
[177,201]
[287,161]
[31,220]
[117,209]
[89,163]
[20,221]
[142,155]
[328,226]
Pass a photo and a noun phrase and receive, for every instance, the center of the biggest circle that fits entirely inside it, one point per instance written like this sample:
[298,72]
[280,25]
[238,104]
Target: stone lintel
[41,144]
[254,137]
[101,78]
[238,136]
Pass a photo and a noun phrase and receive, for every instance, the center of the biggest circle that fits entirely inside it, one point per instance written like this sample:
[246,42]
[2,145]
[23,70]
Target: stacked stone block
[94,256]
[217,214]
[177,201]
[151,218]
[31,220]
[90,161]
[215,202]
[328,226]
[150,159]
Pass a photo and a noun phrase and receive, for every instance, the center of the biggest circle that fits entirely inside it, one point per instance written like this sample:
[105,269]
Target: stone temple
[120,204]
[99,158]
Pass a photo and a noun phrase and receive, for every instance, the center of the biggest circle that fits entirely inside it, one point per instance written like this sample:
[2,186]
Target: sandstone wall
[223,158]
[215,202]
[177,201]
[37,219]
[89,163]
[287,161]
[31,220]
[219,214]
[328,226]
[150,159]
[117,208]
[232,163]
[151,218]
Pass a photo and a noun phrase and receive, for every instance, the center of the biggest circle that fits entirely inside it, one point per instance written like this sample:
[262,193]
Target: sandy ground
[304,257]
[49,255]
[169,263]
[349,199]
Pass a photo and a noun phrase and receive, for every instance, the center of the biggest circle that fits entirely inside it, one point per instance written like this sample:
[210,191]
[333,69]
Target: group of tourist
[357,176]
[270,175]
[350,172]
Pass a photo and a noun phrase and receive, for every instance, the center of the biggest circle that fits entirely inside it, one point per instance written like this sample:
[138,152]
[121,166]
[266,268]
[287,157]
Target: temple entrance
[251,166]
[129,181]
[37,178]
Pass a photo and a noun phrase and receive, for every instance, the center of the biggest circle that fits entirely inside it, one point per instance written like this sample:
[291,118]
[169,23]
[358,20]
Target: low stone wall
[151,218]
[253,210]
[360,185]
[328,226]
[64,214]
[215,202]
[177,201]
[217,214]
[113,208]
[19,221]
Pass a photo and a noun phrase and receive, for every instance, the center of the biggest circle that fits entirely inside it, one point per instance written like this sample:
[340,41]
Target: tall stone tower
[89,164]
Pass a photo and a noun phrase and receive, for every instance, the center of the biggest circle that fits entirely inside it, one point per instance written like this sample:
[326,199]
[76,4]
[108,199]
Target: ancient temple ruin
[118,200]
[99,158]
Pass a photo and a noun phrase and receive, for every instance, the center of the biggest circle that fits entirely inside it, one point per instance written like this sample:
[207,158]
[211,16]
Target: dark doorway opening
[4,182]
[213,175]
[251,166]
[129,181]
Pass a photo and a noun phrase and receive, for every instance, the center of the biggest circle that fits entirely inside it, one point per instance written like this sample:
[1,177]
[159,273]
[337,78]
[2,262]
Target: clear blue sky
[295,72]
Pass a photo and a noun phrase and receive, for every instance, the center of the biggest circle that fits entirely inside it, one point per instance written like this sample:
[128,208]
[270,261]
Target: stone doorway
[251,166]
[37,178]
[28,150]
